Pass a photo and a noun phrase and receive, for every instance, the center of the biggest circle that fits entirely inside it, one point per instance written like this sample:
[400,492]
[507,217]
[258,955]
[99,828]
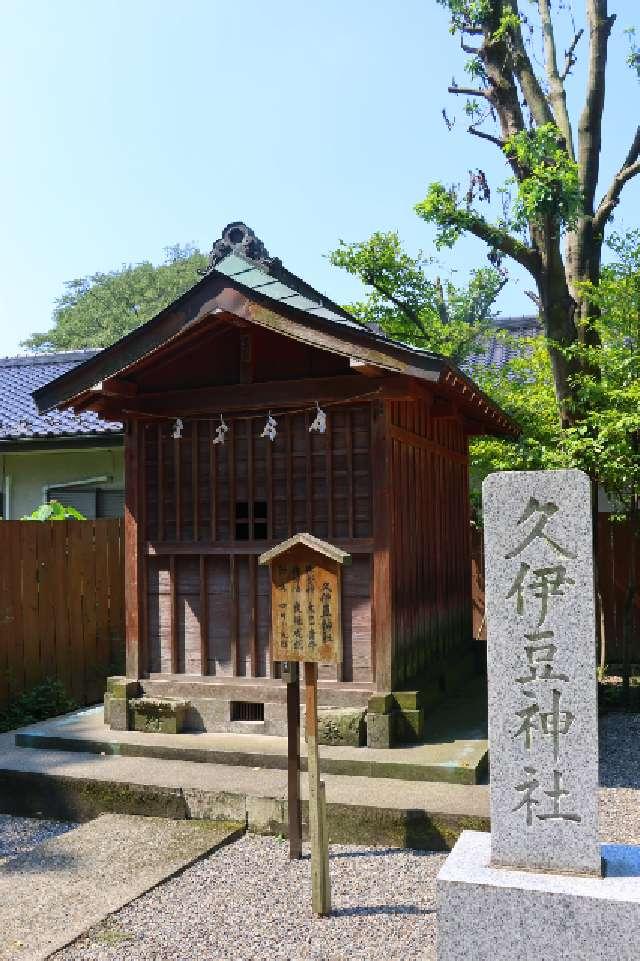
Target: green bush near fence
[47,699]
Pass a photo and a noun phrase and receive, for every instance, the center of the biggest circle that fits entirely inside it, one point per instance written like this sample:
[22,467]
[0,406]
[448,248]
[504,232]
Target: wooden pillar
[133,559]
[320,878]
[382,598]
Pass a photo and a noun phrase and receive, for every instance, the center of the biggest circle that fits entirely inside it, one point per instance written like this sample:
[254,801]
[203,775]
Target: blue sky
[133,125]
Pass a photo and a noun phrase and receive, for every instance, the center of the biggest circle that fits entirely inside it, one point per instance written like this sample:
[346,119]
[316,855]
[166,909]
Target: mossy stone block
[342,727]
[380,704]
[122,687]
[107,704]
[408,700]
[153,715]
[408,727]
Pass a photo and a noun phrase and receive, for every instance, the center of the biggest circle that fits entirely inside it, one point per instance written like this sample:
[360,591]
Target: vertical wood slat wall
[615,544]
[61,606]
[430,578]
[208,601]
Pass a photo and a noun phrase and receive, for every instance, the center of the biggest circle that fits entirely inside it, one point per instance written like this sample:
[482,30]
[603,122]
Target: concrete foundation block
[342,727]
[204,805]
[496,914]
[158,715]
[266,815]
[380,704]
[379,730]
[122,687]
[107,704]
[118,713]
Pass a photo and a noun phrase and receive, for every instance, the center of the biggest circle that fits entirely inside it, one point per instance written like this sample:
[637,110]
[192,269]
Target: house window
[92,502]
[259,532]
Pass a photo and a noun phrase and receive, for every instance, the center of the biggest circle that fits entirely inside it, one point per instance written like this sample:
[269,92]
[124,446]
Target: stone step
[94,870]
[452,756]
[78,786]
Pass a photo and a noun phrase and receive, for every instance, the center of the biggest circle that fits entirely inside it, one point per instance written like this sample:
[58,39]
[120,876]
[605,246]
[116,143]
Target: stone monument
[540,886]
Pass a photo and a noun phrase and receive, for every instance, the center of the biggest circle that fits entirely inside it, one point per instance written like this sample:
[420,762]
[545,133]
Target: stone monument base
[495,914]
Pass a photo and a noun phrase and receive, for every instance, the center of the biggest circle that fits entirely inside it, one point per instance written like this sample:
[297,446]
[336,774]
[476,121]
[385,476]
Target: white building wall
[25,475]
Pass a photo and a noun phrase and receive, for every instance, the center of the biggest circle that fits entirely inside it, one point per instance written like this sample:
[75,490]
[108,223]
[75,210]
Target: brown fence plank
[31,639]
[46,600]
[10,531]
[101,556]
[6,631]
[60,556]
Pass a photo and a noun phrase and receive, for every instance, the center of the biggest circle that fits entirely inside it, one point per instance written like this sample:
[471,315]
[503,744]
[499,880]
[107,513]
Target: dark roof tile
[19,417]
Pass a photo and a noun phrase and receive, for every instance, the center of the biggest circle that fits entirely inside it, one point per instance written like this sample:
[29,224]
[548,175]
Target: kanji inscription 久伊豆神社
[541,671]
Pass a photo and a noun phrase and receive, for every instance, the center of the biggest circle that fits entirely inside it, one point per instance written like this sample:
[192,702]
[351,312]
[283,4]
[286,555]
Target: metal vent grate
[247,711]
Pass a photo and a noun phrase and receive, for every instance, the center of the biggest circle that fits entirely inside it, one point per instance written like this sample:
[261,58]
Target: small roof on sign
[306,540]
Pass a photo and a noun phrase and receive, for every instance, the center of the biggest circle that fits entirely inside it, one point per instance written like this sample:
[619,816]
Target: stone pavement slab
[50,895]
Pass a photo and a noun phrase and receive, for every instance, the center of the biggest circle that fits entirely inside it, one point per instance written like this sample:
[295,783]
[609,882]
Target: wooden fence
[615,544]
[61,605]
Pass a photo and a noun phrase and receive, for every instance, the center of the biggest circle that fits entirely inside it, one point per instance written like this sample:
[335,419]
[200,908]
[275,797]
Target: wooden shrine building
[366,449]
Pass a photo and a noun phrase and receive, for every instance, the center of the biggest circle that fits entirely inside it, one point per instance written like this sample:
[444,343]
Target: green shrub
[54,511]
[47,699]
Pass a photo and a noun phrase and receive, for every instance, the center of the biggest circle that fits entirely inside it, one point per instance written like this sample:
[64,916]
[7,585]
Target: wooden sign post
[306,626]
[291,674]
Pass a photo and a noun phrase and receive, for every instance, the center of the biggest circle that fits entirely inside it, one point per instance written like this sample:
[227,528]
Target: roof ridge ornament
[237,238]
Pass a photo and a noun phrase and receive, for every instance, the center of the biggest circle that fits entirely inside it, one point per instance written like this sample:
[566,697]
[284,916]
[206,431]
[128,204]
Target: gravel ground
[18,835]
[248,902]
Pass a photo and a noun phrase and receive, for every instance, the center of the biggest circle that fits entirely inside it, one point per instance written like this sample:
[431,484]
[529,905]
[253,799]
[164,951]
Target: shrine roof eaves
[240,271]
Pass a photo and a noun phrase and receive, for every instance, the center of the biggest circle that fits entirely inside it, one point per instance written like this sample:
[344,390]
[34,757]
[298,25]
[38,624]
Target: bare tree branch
[473,129]
[532,295]
[590,128]
[557,95]
[630,168]
[526,75]
[496,237]
[412,315]
[470,92]
[570,55]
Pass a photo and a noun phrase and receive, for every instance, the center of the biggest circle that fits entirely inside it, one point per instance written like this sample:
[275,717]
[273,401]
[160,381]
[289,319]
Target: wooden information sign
[306,626]
[305,606]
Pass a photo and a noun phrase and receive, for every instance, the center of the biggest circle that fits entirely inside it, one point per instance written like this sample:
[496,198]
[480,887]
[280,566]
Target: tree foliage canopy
[550,218]
[409,306]
[606,440]
[96,311]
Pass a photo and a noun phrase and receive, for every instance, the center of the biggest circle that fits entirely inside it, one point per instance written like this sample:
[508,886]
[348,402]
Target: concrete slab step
[52,894]
[390,811]
[455,755]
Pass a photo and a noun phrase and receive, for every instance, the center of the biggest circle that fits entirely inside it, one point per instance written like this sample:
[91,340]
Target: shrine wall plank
[430,568]
[212,509]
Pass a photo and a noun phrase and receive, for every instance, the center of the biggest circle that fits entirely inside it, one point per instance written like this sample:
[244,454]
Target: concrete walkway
[52,894]
[77,786]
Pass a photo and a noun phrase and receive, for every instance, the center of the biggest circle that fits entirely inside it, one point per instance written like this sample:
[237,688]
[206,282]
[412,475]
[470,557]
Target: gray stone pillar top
[541,661]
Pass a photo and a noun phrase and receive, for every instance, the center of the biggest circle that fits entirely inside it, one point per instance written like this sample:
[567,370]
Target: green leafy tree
[605,442]
[408,306]
[552,220]
[54,511]
[96,311]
